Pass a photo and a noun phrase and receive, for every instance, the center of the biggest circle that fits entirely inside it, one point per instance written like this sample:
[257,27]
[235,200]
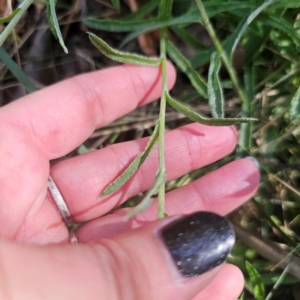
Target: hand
[113,260]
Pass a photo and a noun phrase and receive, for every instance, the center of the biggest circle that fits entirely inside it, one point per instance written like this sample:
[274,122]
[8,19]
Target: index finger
[59,118]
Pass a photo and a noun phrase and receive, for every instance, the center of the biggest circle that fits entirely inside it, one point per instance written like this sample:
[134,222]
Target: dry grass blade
[269,250]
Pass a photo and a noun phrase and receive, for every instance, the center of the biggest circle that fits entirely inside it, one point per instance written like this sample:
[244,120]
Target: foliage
[237,61]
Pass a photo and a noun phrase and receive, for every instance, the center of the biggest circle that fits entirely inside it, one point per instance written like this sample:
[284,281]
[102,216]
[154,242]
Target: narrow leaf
[8,18]
[116,4]
[160,179]
[282,24]
[201,57]
[13,22]
[141,27]
[123,26]
[245,136]
[294,112]
[285,4]
[272,278]
[132,168]
[212,8]
[165,9]
[53,23]
[279,281]
[196,117]
[142,12]
[242,297]
[256,282]
[123,57]
[50,19]
[241,28]
[17,71]
[214,88]
[187,38]
[183,64]
[254,44]
[156,23]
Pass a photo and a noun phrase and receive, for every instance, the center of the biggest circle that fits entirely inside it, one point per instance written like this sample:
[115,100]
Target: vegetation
[238,63]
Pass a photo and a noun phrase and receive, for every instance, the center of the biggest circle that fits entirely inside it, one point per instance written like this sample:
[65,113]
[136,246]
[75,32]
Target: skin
[115,259]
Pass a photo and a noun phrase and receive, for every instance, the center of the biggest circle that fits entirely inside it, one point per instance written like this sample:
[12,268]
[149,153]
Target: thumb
[155,261]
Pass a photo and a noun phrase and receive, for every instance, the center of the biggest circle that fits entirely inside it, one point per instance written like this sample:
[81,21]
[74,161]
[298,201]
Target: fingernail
[198,242]
[253,160]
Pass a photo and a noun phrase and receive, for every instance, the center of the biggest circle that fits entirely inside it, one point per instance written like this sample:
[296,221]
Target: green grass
[258,45]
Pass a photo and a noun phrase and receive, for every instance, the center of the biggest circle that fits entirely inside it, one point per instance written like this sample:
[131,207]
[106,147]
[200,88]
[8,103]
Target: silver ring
[63,208]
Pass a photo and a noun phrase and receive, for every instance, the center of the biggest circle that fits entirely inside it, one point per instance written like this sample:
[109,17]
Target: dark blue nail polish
[199,242]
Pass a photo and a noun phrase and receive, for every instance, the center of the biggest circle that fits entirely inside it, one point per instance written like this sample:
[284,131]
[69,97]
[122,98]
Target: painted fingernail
[253,160]
[198,242]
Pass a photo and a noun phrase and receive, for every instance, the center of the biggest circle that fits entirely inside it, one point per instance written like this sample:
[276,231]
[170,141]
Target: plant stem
[219,48]
[162,113]
[11,25]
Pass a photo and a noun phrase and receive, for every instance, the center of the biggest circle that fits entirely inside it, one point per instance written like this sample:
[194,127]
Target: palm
[49,124]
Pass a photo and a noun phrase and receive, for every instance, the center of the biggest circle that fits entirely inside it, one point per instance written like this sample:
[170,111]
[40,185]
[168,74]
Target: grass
[259,77]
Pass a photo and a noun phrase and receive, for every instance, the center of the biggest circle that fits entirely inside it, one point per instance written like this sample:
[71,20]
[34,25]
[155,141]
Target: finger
[220,191]
[141,264]
[23,178]
[61,117]
[83,178]
[230,289]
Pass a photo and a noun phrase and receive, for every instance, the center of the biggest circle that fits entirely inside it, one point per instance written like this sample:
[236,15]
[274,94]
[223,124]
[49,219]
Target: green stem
[11,25]
[162,113]
[219,48]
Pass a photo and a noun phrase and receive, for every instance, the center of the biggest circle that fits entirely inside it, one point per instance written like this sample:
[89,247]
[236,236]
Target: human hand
[115,259]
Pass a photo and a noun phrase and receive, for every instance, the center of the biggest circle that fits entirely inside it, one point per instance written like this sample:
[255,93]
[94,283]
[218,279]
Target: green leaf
[280,279]
[241,28]
[165,9]
[123,57]
[16,70]
[181,6]
[142,12]
[116,4]
[269,137]
[214,88]
[53,23]
[272,278]
[124,26]
[201,57]
[141,27]
[187,38]
[196,117]
[256,282]
[294,112]
[193,16]
[8,18]
[132,168]
[251,48]
[285,4]
[254,45]
[13,22]
[282,24]
[245,136]
[242,297]
[160,179]
[183,64]
[49,18]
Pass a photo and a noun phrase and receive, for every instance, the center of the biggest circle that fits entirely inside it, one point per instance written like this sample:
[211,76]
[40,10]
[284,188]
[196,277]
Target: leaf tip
[106,192]
[103,194]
